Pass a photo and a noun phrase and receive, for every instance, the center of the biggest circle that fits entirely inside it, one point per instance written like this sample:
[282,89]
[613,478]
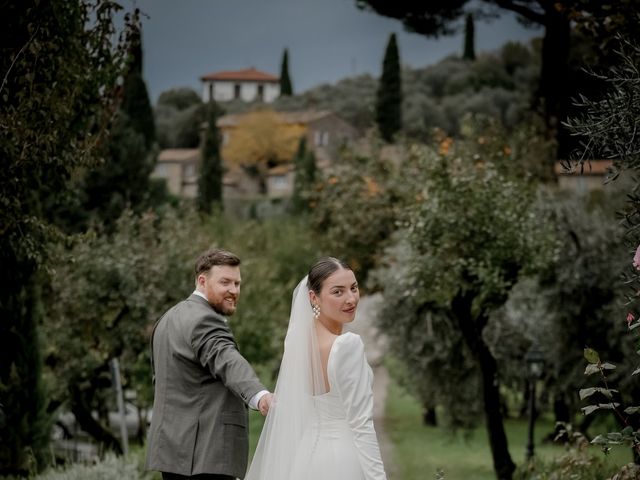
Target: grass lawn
[420,451]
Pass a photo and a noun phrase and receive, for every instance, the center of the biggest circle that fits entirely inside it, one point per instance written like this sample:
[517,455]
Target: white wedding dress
[311,433]
[340,441]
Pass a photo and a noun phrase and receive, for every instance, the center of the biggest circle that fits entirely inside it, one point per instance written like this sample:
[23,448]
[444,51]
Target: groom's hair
[215,257]
[321,270]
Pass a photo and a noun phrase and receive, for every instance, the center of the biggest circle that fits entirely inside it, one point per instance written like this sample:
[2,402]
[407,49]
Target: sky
[328,40]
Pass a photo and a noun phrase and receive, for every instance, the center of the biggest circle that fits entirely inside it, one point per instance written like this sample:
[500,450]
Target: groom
[202,383]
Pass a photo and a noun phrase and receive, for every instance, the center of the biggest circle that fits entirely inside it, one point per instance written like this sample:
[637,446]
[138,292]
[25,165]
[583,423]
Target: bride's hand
[265,403]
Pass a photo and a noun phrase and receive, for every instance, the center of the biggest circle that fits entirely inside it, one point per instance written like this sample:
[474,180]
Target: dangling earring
[316,311]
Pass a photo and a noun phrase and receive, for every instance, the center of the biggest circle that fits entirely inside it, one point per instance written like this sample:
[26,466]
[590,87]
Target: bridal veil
[300,379]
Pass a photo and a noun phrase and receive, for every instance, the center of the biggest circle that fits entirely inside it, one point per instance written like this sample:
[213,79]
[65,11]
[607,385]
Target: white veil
[299,379]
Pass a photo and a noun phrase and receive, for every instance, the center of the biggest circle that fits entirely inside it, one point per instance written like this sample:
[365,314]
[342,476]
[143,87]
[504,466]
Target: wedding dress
[340,441]
[311,433]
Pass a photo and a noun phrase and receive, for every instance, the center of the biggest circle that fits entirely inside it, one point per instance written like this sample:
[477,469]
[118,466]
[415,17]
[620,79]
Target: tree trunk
[524,406]
[554,72]
[429,415]
[471,328]
[82,411]
[562,414]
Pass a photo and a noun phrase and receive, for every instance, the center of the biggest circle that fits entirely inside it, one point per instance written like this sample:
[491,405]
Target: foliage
[389,97]
[606,398]
[179,98]
[607,126]
[428,339]
[440,95]
[558,80]
[353,99]
[436,368]
[354,209]
[60,66]
[121,180]
[260,141]
[211,170]
[135,96]
[500,84]
[576,462]
[305,176]
[472,230]
[124,468]
[106,292]
[574,301]
[610,127]
[179,114]
[285,82]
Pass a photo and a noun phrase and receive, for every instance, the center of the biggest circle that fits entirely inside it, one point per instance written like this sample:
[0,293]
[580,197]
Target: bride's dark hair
[322,269]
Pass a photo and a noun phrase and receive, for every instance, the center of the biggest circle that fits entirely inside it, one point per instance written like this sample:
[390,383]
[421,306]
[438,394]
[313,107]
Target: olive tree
[472,231]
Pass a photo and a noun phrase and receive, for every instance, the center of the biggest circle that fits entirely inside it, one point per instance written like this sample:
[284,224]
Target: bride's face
[338,298]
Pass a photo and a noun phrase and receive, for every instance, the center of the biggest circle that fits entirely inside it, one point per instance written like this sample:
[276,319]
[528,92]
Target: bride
[320,426]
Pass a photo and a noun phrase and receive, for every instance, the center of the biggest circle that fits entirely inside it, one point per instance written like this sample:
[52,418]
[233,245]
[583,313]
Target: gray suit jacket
[202,386]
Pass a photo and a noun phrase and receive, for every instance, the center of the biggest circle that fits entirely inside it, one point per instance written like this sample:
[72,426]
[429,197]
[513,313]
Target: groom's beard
[226,306]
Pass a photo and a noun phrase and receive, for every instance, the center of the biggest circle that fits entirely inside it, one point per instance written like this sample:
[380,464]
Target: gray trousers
[202,476]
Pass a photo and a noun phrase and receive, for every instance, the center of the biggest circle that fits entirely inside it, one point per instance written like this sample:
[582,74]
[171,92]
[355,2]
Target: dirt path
[375,347]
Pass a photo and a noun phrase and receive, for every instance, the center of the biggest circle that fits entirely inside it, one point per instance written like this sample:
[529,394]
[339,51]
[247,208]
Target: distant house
[179,168]
[326,134]
[247,85]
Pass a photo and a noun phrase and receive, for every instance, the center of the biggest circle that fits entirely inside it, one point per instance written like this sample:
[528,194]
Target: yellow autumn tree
[261,140]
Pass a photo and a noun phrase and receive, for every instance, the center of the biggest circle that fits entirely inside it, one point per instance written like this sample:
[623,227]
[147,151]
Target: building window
[236,90]
[321,138]
[261,92]
[279,182]
[225,138]
[161,170]
[189,171]
[210,92]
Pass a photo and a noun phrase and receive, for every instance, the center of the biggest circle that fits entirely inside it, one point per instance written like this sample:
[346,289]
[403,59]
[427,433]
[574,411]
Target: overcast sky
[327,40]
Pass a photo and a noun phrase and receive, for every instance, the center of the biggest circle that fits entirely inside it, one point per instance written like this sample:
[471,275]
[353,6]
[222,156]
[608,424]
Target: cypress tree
[305,173]
[135,97]
[123,179]
[285,81]
[469,40]
[211,171]
[389,99]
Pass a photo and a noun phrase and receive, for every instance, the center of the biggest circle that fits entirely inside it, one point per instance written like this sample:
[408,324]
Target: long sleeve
[215,348]
[353,380]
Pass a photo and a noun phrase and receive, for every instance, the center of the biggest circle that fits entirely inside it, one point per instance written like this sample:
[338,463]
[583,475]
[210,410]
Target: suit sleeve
[216,349]
[354,383]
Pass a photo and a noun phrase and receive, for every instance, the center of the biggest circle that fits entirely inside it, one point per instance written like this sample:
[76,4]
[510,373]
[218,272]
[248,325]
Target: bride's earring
[316,311]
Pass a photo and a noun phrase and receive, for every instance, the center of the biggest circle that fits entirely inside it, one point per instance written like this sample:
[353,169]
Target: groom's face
[221,286]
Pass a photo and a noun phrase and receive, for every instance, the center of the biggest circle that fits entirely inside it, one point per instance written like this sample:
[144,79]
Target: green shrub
[578,462]
[111,467]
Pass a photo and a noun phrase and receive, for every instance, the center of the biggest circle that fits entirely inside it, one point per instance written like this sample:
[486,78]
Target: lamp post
[534,359]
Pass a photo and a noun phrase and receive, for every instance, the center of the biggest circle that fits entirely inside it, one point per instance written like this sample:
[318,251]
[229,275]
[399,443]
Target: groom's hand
[265,403]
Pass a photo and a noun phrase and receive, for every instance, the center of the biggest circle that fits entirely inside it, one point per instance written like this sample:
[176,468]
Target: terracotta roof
[246,75]
[179,155]
[590,167]
[304,117]
[281,169]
